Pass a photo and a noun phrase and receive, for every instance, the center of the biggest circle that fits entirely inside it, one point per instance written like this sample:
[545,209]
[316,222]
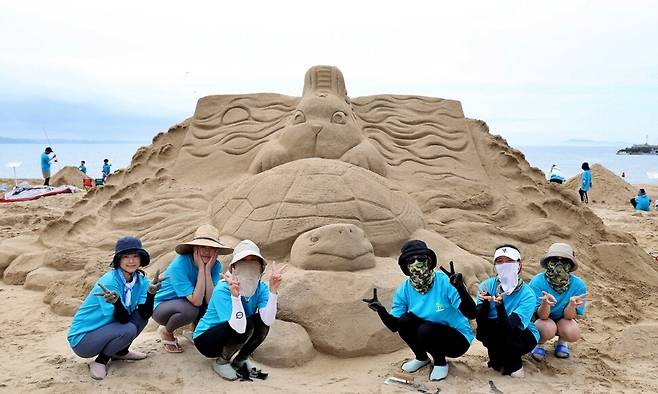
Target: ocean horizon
[637,168]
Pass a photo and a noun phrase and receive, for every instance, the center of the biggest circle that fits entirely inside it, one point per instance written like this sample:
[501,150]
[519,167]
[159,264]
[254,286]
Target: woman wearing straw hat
[116,310]
[240,313]
[505,307]
[193,275]
[561,298]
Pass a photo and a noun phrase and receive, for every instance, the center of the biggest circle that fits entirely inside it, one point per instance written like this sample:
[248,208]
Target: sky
[537,72]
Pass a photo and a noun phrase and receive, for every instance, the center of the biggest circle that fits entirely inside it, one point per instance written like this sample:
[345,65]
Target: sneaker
[414,365]
[539,353]
[224,369]
[562,350]
[250,364]
[519,373]
[130,356]
[97,371]
[439,372]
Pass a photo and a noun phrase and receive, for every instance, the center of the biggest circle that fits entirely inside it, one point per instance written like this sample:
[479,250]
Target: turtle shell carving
[274,207]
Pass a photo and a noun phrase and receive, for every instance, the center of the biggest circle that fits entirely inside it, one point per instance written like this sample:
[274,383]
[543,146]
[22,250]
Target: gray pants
[177,313]
[110,339]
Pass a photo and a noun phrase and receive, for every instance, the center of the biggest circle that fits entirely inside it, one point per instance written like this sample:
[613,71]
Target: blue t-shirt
[95,312]
[523,302]
[576,287]
[220,306]
[439,305]
[106,169]
[642,202]
[585,180]
[182,273]
[83,169]
[45,162]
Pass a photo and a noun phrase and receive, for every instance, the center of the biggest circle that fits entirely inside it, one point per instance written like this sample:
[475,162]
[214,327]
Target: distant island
[639,149]
[5,140]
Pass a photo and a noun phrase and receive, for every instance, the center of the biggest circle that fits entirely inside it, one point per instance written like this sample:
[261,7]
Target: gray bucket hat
[563,250]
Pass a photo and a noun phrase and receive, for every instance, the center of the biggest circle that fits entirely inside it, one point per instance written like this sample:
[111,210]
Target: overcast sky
[535,73]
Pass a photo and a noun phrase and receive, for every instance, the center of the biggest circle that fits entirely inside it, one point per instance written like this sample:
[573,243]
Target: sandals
[170,346]
[538,353]
[561,351]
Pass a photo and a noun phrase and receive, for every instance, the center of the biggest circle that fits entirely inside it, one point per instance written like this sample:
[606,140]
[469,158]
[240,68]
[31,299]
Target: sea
[636,169]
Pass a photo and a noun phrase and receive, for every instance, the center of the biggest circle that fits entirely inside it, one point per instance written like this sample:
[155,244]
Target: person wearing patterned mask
[241,310]
[430,310]
[560,300]
[505,307]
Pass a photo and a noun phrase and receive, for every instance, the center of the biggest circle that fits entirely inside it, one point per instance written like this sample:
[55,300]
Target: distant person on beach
[106,169]
[585,183]
[505,307]
[116,310]
[193,275]
[82,167]
[560,300]
[239,315]
[641,202]
[555,176]
[430,310]
[45,164]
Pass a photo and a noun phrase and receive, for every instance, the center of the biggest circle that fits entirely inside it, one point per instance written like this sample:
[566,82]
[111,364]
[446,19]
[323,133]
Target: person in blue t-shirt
[82,167]
[241,310]
[560,300]
[116,309]
[193,275]
[45,164]
[505,307]
[641,202]
[106,169]
[585,183]
[430,310]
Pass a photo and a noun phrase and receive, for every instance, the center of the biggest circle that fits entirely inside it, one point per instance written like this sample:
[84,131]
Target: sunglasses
[421,258]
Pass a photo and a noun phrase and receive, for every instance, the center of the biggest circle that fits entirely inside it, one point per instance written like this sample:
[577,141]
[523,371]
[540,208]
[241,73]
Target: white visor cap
[508,251]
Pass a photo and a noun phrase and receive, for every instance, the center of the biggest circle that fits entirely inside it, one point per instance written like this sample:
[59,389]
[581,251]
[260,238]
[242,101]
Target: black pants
[556,181]
[505,348]
[583,196]
[633,202]
[439,340]
[223,341]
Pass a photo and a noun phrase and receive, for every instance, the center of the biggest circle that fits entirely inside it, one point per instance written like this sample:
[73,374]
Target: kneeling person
[505,307]
[240,312]
[560,295]
[430,310]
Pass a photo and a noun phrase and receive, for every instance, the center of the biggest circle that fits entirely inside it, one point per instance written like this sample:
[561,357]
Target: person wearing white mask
[505,306]
[241,310]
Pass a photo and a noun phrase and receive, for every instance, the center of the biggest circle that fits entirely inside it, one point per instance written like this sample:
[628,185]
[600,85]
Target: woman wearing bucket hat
[505,307]
[240,313]
[193,275]
[116,310]
[430,310]
[561,298]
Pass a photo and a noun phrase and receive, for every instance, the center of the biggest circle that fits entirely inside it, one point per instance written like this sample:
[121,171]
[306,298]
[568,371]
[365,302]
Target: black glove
[467,306]
[456,278]
[390,321]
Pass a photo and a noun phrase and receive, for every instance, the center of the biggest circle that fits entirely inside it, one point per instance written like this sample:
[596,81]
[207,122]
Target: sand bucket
[98,181]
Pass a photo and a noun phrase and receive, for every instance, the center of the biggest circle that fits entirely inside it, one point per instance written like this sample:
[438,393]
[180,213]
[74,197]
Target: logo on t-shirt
[440,307]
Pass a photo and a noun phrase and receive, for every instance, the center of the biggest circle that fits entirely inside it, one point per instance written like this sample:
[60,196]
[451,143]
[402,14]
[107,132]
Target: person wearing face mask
[560,300]
[241,310]
[430,310]
[116,309]
[505,307]
[193,275]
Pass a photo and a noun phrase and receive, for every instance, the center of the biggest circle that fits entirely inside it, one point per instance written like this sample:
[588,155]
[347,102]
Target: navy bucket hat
[128,245]
[415,247]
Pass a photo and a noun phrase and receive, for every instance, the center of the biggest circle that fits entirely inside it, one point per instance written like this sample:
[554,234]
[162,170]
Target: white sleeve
[268,314]
[238,321]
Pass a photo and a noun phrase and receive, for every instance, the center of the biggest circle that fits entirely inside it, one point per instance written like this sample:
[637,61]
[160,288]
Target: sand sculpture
[69,175]
[607,187]
[334,185]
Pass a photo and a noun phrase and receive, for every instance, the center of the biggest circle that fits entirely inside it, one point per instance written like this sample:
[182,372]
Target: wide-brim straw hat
[206,235]
[247,248]
[560,250]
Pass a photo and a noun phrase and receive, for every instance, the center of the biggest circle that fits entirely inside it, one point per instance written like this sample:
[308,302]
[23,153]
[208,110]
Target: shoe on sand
[97,371]
[251,366]
[170,345]
[519,373]
[414,365]
[439,372]
[539,353]
[130,356]
[224,369]
[562,350]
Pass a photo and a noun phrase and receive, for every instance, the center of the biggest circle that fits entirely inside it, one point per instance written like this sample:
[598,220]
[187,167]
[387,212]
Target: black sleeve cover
[467,306]
[146,309]
[390,321]
[482,312]
[511,322]
[120,313]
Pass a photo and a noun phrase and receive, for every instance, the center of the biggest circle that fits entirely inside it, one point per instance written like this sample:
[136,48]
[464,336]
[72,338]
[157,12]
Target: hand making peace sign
[156,282]
[233,282]
[275,279]
[109,295]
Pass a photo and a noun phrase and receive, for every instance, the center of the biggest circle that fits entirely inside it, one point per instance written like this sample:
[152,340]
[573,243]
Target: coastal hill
[639,149]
